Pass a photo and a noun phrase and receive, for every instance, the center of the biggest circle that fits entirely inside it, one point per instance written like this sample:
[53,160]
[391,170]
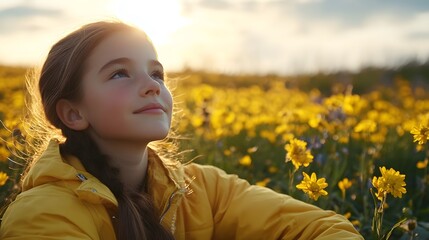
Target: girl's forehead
[126,44]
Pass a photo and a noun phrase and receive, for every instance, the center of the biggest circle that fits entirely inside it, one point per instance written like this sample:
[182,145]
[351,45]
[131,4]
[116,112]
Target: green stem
[291,178]
[420,200]
[343,197]
[381,211]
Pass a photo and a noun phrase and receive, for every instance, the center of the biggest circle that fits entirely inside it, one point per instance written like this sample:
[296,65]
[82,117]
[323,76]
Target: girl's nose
[149,86]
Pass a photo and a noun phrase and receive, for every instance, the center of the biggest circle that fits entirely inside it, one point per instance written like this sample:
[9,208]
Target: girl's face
[125,99]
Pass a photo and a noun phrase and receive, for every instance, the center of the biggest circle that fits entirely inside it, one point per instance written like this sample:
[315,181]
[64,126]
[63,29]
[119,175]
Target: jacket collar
[164,177]
[49,167]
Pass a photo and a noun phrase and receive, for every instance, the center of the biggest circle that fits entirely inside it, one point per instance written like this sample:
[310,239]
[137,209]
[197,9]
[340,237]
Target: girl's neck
[131,160]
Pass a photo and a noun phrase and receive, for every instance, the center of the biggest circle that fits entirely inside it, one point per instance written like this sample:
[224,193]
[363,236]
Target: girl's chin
[158,136]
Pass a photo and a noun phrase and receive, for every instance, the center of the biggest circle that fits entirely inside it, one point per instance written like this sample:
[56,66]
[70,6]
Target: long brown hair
[60,78]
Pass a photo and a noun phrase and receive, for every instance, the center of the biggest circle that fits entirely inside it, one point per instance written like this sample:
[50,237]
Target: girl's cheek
[168,98]
[106,103]
[116,96]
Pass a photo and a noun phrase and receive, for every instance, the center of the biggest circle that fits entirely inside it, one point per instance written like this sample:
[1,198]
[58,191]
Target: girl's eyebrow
[122,60]
[154,63]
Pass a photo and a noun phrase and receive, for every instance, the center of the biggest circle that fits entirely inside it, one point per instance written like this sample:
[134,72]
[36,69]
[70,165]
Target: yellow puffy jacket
[60,200]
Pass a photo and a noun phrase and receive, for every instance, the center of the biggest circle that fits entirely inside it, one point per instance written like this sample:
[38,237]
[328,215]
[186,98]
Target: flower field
[364,155]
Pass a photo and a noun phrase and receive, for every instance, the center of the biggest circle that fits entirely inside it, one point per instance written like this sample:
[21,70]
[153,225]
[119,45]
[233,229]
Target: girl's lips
[151,108]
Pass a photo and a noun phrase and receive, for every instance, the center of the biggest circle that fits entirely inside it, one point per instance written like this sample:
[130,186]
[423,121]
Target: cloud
[216,4]
[21,18]
[348,13]
[26,11]
[292,36]
[423,34]
[29,28]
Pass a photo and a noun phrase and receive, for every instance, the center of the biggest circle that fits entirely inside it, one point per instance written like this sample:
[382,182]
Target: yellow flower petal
[312,186]
[391,181]
[245,161]
[422,164]
[3,178]
[297,153]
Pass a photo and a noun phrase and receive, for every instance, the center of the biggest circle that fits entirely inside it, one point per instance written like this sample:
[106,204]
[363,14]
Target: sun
[158,18]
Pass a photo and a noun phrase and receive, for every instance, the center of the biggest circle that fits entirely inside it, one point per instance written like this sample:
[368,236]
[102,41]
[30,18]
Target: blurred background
[235,36]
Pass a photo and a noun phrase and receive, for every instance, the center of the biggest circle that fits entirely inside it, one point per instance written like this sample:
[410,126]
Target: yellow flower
[347,215]
[353,104]
[3,178]
[356,223]
[298,153]
[367,126]
[227,152]
[4,154]
[197,121]
[420,134]
[315,121]
[344,185]
[419,148]
[312,186]
[252,149]
[269,135]
[245,161]
[422,164]
[391,181]
[273,169]
[263,183]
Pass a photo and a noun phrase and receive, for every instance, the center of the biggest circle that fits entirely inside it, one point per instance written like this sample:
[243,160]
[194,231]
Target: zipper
[182,190]
[81,177]
[170,201]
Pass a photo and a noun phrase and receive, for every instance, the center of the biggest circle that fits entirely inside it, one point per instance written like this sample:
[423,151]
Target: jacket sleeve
[47,216]
[244,211]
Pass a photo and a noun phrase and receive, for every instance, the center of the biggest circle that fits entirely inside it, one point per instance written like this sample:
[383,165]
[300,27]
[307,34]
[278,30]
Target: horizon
[399,67]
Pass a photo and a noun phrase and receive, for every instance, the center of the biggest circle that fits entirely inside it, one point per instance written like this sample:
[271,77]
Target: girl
[103,176]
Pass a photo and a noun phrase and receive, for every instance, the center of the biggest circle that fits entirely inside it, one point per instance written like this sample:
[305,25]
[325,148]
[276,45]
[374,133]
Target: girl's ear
[70,115]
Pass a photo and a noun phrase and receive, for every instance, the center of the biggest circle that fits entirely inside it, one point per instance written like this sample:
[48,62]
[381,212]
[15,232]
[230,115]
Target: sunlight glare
[159,19]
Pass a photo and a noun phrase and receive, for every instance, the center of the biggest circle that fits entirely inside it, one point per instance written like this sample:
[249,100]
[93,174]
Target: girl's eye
[158,75]
[121,73]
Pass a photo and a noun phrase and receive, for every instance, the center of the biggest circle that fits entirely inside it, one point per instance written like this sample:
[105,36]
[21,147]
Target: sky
[234,36]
